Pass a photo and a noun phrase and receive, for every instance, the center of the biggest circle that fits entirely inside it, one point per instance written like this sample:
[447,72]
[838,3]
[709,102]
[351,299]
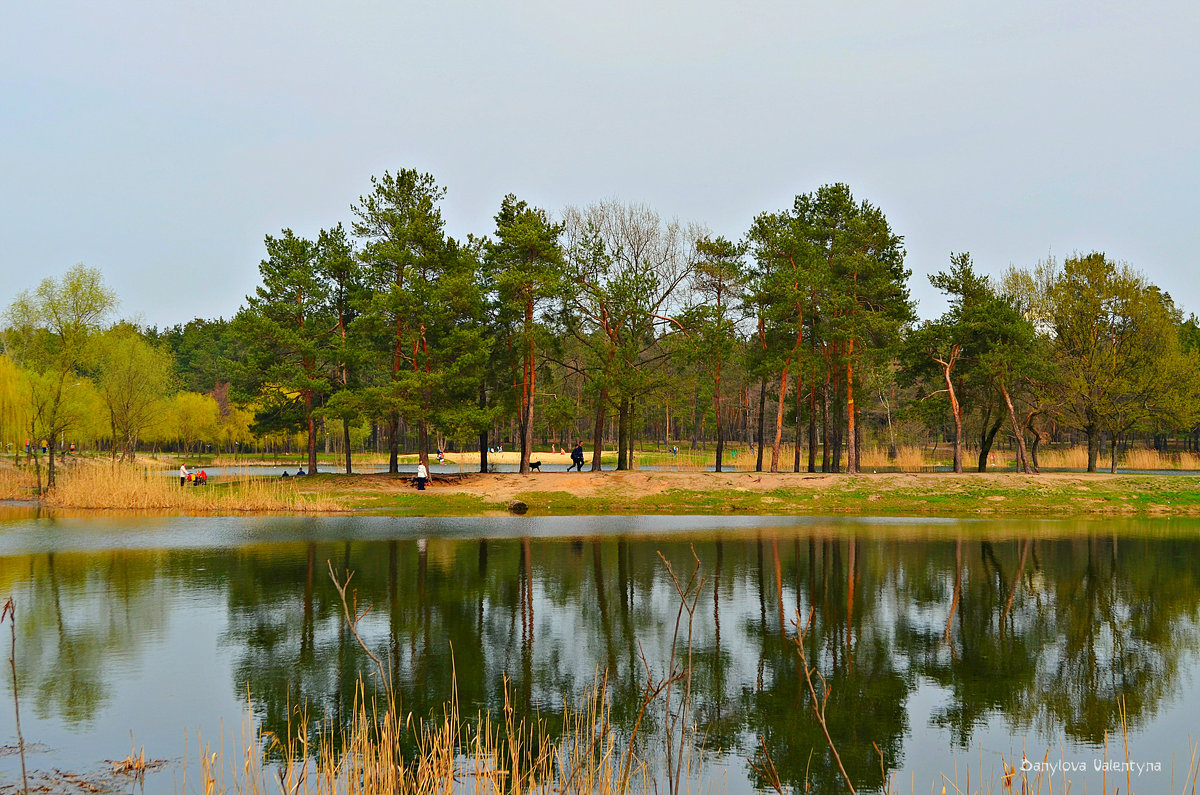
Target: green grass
[1124,496]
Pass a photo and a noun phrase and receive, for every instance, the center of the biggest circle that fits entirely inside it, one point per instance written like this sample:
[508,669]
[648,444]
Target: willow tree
[133,378]
[50,335]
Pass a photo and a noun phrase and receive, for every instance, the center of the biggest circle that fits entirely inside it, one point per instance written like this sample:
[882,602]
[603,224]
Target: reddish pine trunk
[852,440]
[528,388]
[598,429]
[1022,456]
[783,385]
[717,411]
[955,408]
[312,432]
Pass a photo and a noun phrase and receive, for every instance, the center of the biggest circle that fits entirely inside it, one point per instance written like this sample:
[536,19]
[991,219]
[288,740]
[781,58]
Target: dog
[535,466]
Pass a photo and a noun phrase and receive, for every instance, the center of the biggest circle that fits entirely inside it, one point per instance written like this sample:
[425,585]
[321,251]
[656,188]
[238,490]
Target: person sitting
[301,472]
[285,474]
[202,479]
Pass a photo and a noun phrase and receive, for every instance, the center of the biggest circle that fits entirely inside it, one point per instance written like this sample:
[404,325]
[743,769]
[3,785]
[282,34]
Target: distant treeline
[610,324]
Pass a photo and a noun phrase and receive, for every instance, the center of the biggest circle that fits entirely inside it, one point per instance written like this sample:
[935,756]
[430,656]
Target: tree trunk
[837,426]
[312,433]
[1113,469]
[622,432]
[1093,443]
[598,429]
[799,419]
[826,427]
[1022,456]
[851,432]
[762,410]
[393,435]
[955,408]
[483,434]
[632,435]
[783,385]
[717,414]
[812,427]
[423,442]
[985,441]
[698,420]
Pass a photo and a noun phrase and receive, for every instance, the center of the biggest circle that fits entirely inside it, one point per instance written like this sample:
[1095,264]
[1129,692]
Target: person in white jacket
[183,473]
[422,476]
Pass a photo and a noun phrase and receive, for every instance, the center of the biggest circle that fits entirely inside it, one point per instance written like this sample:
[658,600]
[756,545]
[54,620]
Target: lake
[945,642]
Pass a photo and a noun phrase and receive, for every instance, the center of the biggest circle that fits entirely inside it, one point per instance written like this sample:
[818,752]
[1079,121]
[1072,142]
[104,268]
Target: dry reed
[116,486]
[489,756]
[1142,458]
[909,458]
[497,754]
[16,484]
[1063,458]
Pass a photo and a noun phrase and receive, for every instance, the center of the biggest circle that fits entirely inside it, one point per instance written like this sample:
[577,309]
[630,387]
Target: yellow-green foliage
[14,410]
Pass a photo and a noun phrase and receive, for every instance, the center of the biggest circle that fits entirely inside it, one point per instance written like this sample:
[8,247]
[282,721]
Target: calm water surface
[944,642]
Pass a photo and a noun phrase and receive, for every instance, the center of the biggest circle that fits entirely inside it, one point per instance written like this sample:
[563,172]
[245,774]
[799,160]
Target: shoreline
[637,492]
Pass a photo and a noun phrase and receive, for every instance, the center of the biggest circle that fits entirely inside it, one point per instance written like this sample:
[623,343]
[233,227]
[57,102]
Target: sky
[161,141]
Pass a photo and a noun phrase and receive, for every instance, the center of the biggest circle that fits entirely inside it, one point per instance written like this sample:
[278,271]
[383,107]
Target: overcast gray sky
[160,141]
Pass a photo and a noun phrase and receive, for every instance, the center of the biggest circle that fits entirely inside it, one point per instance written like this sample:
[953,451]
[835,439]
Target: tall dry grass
[1063,458]
[117,486]
[1143,458]
[497,755]
[487,756]
[16,484]
[909,458]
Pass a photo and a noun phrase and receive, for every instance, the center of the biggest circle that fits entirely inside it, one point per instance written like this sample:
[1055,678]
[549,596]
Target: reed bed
[497,755]
[1143,458]
[488,756]
[909,458]
[117,486]
[1063,458]
[16,484]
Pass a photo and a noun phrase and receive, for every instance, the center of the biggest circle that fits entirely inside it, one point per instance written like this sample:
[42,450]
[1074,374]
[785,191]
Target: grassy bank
[666,493]
[104,486]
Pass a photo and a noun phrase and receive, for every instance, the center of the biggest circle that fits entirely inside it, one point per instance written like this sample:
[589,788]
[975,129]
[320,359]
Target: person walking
[422,476]
[183,474]
[577,458]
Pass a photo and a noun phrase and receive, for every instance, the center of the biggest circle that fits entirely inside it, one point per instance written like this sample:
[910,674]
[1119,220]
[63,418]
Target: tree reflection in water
[1045,634]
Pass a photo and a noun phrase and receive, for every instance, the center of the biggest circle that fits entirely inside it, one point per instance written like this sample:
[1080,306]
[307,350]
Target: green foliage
[419,311]
[50,335]
[1116,338]
[134,377]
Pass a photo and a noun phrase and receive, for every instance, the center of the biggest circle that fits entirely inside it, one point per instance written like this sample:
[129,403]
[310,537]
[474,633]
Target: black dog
[535,465]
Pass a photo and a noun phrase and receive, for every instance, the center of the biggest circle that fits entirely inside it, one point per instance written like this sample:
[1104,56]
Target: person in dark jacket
[577,458]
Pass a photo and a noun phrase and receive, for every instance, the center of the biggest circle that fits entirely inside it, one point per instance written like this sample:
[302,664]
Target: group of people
[195,478]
